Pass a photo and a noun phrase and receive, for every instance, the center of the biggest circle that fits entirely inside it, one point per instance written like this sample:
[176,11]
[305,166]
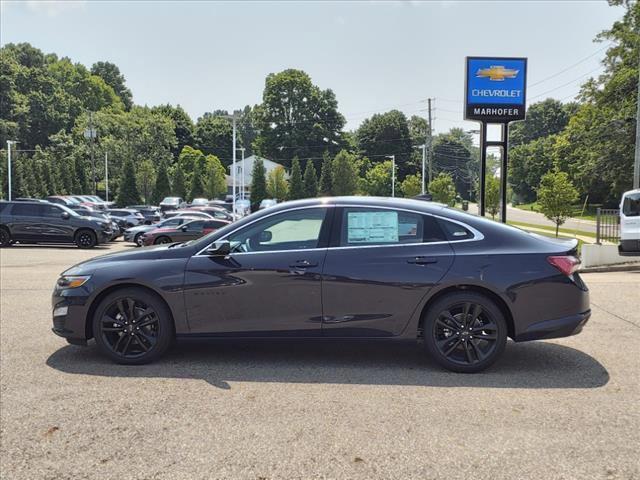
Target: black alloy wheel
[465,332]
[132,326]
[5,238]
[162,240]
[86,239]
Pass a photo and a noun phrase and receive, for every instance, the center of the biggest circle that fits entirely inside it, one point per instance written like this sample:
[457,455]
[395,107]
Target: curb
[621,267]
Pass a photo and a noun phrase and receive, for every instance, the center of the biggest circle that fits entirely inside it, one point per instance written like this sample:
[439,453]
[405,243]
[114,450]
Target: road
[535,218]
[561,409]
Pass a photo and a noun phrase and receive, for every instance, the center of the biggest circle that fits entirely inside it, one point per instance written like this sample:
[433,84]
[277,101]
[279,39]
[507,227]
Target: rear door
[25,222]
[380,265]
[54,227]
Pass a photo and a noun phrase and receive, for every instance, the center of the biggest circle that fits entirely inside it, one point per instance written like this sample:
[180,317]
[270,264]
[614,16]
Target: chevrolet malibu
[333,268]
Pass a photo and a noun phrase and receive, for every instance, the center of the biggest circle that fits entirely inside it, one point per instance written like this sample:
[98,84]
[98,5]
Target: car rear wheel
[465,332]
[138,239]
[86,239]
[160,240]
[5,238]
[132,326]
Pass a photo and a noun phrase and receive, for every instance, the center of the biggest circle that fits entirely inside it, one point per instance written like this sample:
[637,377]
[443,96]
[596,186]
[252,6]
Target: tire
[465,332]
[86,239]
[5,238]
[138,239]
[132,339]
[161,240]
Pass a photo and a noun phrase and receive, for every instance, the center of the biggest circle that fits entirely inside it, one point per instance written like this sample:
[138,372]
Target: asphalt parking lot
[561,409]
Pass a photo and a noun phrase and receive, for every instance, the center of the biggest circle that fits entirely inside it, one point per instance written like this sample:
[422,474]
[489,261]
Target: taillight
[567,264]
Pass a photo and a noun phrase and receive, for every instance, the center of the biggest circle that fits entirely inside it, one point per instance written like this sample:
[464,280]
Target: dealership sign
[495,89]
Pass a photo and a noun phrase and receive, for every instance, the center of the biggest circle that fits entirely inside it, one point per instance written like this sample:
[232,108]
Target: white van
[630,223]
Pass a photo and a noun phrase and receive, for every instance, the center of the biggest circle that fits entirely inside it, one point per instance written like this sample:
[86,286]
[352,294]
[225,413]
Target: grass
[565,231]
[576,210]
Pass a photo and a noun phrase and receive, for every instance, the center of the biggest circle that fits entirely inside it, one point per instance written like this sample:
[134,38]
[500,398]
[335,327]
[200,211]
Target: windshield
[631,205]
[170,200]
[73,213]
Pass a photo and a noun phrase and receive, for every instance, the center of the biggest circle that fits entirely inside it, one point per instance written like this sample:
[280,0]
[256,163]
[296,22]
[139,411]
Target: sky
[375,56]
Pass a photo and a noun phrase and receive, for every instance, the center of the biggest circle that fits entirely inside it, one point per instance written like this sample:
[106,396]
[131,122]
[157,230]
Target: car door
[25,221]
[380,265]
[188,231]
[55,228]
[270,282]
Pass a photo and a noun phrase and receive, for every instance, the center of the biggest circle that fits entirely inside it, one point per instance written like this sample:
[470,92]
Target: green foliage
[411,186]
[296,118]
[443,189]
[216,179]
[146,177]
[182,126]
[197,179]
[277,186]
[377,181]
[492,196]
[527,164]
[556,194]
[344,174]
[545,118]
[387,134]
[111,75]
[296,183]
[179,186]
[214,135]
[128,192]
[453,152]
[325,175]
[310,181]
[258,182]
[162,187]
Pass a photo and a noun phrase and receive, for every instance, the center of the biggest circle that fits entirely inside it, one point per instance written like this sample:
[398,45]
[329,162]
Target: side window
[455,231]
[26,209]
[51,211]
[294,230]
[195,226]
[377,226]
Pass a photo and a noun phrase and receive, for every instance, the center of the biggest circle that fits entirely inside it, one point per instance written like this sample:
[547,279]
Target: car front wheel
[465,332]
[132,326]
[162,240]
[138,240]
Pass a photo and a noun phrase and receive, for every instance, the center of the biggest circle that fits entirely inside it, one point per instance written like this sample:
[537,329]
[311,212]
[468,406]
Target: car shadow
[57,246]
[530,365]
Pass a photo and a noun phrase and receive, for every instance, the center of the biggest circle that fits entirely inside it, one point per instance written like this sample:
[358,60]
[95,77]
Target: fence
[608,225]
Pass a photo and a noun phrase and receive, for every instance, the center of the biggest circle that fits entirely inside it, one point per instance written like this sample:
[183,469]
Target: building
[244,176]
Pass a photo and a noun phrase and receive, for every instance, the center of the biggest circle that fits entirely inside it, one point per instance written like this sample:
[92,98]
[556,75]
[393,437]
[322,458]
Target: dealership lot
[565,408]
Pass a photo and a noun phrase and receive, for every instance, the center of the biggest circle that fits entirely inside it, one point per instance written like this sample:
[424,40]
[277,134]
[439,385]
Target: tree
[296,183]
[146,177]
[111,75]
[179,188]
[258,183]
[277,186]
[545,118]
[443,189]
[528,163]
[296,118]
[162,187]
[216,179]
[411,186]
[183,126]
[198,179]
[387,134]
[492,196]
[214,135]
[310,181]
[453,152]
[344,174]
[325,175]
[377,181]
[128,192]
[556,195]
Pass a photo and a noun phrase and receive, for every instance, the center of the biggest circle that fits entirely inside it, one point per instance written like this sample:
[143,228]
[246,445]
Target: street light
[242,185]
[424,161]
[9,143]
[393,174]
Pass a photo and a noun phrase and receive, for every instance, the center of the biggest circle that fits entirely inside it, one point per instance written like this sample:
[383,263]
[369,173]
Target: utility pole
[242,180]
[234,163]
[106,175]
[393,174]
[9,143]
[424,154]
[93,162]
[430,141]
[636,165]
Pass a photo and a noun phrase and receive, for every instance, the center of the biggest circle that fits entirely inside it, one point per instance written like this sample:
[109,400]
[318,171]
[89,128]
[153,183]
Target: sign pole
[483,167]
[503,173]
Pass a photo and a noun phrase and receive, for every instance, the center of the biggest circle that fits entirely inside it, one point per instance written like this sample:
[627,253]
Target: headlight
[73,281]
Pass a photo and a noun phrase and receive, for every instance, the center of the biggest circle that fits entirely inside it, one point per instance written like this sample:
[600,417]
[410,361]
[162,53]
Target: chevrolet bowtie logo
[497,73]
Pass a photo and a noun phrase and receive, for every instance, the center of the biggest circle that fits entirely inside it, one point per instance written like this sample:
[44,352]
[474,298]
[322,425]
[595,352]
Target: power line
[570,66]
[565,84]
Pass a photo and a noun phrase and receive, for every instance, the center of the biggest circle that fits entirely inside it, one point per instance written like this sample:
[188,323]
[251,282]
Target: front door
[381,265]
[270,283]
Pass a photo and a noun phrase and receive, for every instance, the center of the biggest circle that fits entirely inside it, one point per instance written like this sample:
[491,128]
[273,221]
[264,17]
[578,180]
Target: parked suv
[41,222]
[172,203]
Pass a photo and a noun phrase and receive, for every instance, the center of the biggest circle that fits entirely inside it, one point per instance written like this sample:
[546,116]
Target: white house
[244,174]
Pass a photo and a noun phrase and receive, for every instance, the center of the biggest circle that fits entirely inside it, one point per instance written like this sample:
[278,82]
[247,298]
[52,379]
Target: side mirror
[65,215]
[265,236]
[219,249]
[183,228]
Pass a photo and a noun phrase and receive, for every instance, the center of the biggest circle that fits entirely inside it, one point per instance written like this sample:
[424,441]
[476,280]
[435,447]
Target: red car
[186,231]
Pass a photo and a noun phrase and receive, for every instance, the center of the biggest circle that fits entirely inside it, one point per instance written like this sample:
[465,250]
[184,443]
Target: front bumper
[105,236]
[556,328]
[69,309]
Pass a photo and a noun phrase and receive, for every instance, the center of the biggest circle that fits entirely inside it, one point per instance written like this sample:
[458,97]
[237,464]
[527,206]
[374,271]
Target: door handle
[422,260]
[303,264]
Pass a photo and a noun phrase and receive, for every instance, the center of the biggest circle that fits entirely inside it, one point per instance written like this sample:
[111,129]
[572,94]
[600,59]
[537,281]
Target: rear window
[455,231]
[631,205]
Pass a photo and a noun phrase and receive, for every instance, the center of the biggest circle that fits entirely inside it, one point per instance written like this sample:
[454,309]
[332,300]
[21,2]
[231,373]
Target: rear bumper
[559,327]
[629,248]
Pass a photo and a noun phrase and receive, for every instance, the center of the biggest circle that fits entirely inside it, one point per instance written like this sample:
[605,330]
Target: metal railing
[608,225]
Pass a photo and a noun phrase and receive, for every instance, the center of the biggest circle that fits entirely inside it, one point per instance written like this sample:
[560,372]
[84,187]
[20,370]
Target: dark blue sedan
[333,268]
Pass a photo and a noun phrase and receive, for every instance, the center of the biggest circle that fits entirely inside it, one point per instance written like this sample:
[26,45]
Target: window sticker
[372,227]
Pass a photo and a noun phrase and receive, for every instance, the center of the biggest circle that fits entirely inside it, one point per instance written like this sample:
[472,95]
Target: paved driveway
[549,410]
